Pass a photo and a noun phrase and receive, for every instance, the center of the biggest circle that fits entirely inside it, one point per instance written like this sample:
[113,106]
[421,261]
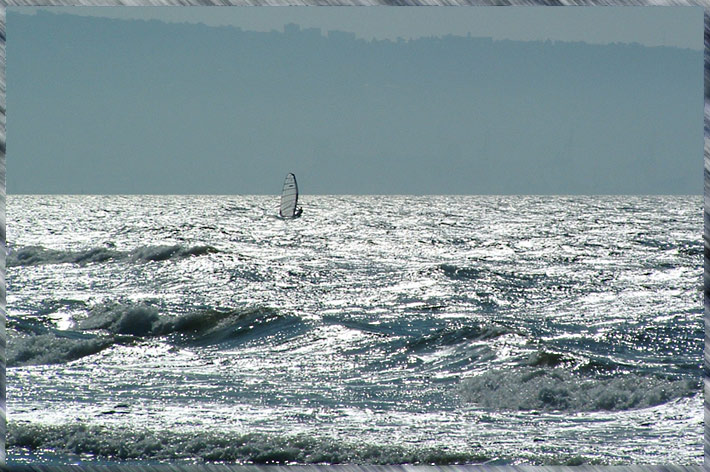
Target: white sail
[289,197]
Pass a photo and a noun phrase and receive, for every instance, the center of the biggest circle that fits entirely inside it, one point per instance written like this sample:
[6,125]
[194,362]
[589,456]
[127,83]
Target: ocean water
[373,330]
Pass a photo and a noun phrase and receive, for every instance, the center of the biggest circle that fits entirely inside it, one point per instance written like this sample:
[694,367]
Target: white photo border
[705,4]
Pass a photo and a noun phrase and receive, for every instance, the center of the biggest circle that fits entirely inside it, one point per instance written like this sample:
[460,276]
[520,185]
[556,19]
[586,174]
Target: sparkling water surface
[374,329]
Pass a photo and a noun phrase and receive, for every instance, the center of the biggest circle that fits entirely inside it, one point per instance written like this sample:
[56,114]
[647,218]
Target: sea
[532,330]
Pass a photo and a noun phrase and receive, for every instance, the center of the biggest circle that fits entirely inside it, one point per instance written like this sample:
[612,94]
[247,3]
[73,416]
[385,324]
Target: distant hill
[100,105]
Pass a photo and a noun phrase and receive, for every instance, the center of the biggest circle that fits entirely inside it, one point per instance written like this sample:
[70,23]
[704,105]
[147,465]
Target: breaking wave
[37,255]
[530,388]
[126,445]
[51,348]
[121,323]
[208,326]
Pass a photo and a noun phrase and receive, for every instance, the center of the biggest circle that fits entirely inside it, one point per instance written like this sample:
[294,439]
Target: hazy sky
[186,105]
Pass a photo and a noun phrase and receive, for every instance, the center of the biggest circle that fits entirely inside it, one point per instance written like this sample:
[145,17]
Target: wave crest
[51,348]
[38,255]
[32,342]
[497,277]
[453,335]
[208,326]
[530,388]
[163,253]
[116,318]
[127,445]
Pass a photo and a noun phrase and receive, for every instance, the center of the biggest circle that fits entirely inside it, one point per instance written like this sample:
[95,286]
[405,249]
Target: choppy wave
[453,335]
[108,444]
[510,280]
[38,255]
[531,388]
[205,326]
[413,336]
[119,323]
[162,253]
[51,348]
